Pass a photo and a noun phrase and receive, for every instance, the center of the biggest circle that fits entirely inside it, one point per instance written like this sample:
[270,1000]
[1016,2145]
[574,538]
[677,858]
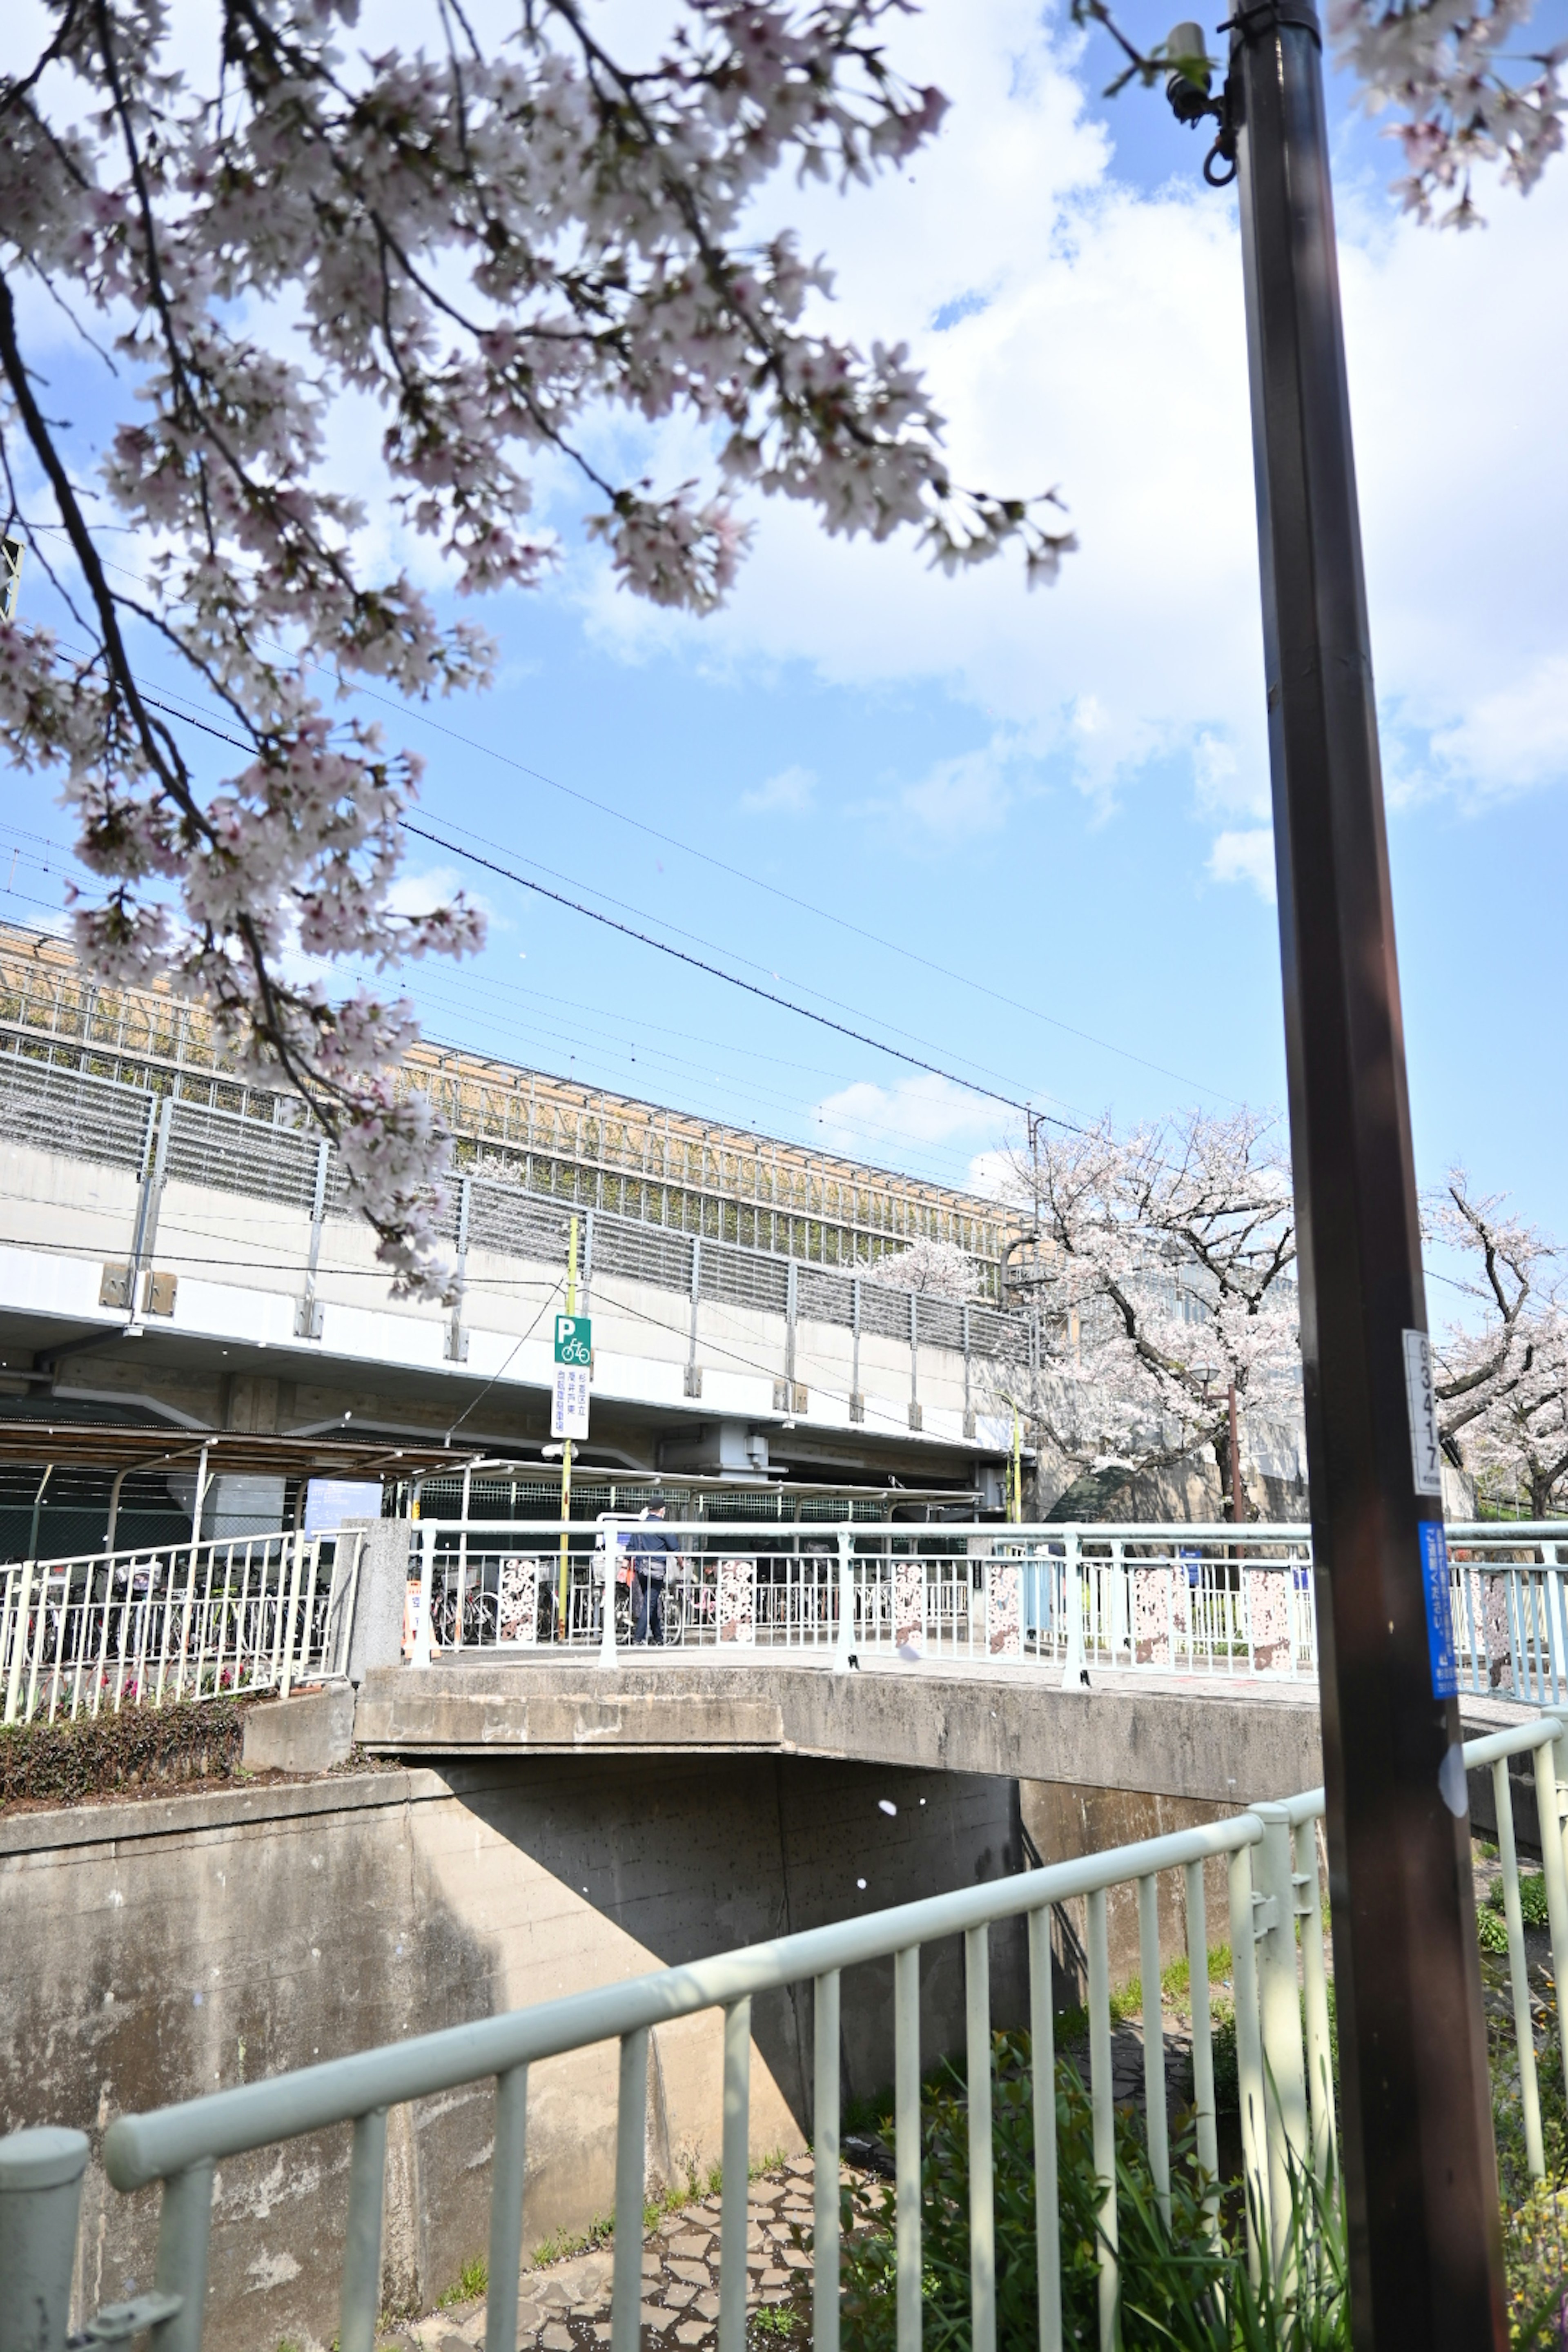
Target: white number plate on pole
[1425,1457]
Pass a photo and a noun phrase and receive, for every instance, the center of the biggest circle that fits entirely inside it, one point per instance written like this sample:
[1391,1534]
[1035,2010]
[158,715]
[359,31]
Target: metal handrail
[159,1622]
[1284,2065]
[1204,1598]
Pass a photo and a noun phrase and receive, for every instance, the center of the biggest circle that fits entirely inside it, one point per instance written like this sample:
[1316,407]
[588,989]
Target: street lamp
[1420,2171]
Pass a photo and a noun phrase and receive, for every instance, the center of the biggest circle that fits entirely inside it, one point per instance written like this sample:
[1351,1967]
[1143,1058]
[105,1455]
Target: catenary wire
[679,955]
[722,866]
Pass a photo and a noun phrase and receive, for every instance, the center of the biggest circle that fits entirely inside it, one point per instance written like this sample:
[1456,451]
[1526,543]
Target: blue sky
[1061,796]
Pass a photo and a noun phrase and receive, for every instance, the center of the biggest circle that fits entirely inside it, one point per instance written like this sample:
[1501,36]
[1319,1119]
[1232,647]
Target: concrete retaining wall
[157,1949]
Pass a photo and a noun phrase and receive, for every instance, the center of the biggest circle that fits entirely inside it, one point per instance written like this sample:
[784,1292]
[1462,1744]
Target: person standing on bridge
[650,1546]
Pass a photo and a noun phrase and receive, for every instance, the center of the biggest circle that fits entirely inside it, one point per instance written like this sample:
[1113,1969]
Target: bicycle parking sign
[573,1358]
[573,1340]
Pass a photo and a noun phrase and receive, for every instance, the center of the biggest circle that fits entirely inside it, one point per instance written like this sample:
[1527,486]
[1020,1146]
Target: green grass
[773,2319]
[1127,1999]
[471,2282]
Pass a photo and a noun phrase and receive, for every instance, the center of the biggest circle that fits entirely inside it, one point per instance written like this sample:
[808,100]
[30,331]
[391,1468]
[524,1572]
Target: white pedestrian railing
[1278,1980]
[152,1626]
[1186,1600]
[143,1627]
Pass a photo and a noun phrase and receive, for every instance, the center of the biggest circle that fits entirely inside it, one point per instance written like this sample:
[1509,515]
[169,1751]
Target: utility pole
[561,1627]
[1420,2173]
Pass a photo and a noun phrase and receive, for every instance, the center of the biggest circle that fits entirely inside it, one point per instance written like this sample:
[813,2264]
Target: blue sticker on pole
[1439,1610]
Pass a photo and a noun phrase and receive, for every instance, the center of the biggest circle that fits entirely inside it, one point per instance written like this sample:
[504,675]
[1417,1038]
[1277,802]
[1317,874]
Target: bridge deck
[1239,1739]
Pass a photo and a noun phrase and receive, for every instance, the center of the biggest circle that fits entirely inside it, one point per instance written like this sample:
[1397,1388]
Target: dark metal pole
[1420,2174]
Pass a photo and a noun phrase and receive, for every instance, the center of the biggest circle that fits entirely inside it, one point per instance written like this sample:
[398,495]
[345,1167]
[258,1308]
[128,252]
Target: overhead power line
[732,979]
[679,955]
[720,865]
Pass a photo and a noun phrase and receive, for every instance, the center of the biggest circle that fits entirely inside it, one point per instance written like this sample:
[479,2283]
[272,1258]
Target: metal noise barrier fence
[1284,2067]
[1215,1600]
[148,1627]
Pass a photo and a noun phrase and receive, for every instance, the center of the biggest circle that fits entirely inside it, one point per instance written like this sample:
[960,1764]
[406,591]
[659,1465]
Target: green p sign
[573,1340]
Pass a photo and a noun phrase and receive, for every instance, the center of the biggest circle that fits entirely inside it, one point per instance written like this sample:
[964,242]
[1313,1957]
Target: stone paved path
[565,2307]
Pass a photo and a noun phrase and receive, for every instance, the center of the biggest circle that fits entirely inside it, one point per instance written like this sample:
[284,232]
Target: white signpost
[573,1360]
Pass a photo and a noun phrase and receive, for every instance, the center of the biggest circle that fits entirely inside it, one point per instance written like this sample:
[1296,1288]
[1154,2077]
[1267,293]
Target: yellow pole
[566,1447]
[1017,1473]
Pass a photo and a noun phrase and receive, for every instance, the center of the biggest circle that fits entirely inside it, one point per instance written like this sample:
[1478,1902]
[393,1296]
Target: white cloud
[1108,355]
[1225,786]
[791,793]
[864,1117]
[437,885]
[1512,739]
[967,794]
[1246,858]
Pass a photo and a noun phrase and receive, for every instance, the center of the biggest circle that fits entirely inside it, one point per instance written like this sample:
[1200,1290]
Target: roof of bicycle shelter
[110,1445]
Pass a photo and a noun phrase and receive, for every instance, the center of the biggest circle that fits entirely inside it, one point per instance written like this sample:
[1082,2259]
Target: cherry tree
[1159,1278]
[265,225]
[1501,1372]
[1521,1444]
[481,242]
[940,1269]
[1467,97]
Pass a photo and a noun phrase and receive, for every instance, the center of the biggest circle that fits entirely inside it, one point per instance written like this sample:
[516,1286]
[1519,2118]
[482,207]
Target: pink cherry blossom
[486,246]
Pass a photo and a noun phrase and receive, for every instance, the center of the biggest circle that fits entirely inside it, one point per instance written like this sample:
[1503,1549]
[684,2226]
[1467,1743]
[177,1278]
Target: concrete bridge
[1220,1743]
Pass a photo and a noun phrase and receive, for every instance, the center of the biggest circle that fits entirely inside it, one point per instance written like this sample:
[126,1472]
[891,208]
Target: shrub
[1182,2285]
[95,1756]
[1532,1903]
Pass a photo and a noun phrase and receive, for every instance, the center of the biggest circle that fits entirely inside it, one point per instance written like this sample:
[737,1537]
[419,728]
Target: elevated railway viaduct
[176,1246]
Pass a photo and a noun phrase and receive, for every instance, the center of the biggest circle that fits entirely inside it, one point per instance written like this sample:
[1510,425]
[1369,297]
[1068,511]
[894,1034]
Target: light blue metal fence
[1280,1980]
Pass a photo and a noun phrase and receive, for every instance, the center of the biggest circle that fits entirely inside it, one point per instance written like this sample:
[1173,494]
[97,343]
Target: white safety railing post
[40,1636]
[824,2170]
[1205,2117]
[40,2204]
[982,2182]
[1102,2108]
[907,2144]
[1280,2023]
[1315,1998]
[1517,1972]
[421,1656]
[611,1556]
[1074,1673]
[1248,2057]
[507,2174]
[843,1655]
[1551,1771]
[1043,2056]
[1155,2115]
[22,1588]
[291,1612]
[631,2124]
[736,2141]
